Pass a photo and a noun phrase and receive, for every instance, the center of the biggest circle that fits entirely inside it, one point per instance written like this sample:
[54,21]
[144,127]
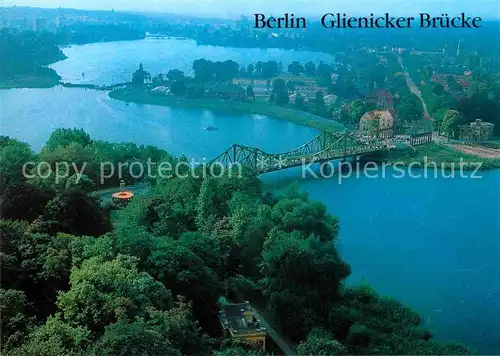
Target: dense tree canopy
[71,285]
[410,108]
[27,53]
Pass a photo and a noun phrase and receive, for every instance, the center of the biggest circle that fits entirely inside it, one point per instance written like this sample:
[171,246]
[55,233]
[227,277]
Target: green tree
[135,338]
[205,247]
[81,182]
[24,201]
[320,342]
[35,263]
[203,70]
[310,69]
[410,108]
[250,69]
[140,76]
[301,279]
[356,110]
[319,105]
[299,101]
[13,156]
[236,350]
[54,338]
[178,88]
[225,71]
[158,79]
[66,137]
[175,75]
[103,292]
[438,89]
[450,121]
[250,92]
[77,213]
[298,214]
[15,322]
[270,69]
[279,91]
[295,68]
[185,274]
[437,118]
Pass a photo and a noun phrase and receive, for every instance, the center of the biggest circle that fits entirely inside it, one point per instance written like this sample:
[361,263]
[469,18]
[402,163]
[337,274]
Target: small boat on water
[210,128]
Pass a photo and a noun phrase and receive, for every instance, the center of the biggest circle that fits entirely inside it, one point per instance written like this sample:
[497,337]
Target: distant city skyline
[488,9]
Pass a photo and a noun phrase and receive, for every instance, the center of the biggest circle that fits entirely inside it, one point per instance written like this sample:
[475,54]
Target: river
[114,62]
[434,244]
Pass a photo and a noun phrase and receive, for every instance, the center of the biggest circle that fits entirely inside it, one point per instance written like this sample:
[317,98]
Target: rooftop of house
[235,317]
[377,93]
[478,122]
[160,89]
[228,88]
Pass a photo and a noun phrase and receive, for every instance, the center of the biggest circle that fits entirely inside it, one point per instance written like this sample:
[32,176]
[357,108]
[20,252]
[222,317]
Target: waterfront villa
[477,130]
[377,122]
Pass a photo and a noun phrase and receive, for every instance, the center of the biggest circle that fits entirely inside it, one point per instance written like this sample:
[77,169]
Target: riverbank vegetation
[86,159]
[24,57]
[74,285]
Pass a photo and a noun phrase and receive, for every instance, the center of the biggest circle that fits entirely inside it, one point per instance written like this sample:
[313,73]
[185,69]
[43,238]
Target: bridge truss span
[324,147]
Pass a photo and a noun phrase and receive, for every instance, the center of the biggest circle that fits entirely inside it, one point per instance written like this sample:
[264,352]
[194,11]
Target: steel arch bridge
[324,147]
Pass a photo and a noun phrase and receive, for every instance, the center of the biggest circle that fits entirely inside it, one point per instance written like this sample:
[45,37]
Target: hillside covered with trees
[74,284]
[24,57]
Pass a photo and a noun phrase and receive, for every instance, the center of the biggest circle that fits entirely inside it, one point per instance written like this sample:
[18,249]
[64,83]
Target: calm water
[111,63]
[431,243]
[434,244]
[32,114]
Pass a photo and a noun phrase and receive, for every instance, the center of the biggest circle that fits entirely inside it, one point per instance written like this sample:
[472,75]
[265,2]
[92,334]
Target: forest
[26,54]
[80,278]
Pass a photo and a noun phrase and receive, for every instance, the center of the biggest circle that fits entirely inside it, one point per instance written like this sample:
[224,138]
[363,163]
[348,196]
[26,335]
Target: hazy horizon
[488,9]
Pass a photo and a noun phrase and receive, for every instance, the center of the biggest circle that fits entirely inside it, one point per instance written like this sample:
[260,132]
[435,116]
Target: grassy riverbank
[256,107]
[442,155]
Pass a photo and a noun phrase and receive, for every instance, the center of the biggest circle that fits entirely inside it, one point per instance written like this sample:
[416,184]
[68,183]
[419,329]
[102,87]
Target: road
[273,334]
[413,87]
[477,151]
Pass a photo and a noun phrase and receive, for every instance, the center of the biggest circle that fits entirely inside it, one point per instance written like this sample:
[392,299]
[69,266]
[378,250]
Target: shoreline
[260,108]
[443,156]
[432,152]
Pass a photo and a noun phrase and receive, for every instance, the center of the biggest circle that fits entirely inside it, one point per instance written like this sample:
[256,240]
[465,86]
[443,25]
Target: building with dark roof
[477,130]
[239,322]
[228,91]
[381,98]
